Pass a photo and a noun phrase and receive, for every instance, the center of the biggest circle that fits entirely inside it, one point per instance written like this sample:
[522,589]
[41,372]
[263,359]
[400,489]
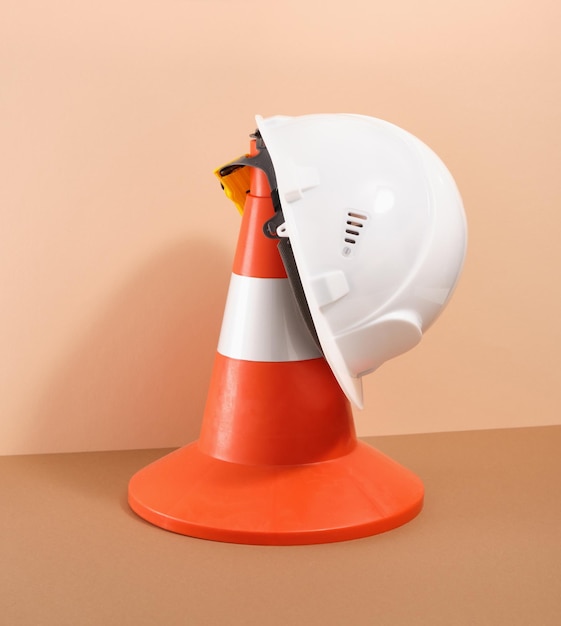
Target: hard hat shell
[377,229]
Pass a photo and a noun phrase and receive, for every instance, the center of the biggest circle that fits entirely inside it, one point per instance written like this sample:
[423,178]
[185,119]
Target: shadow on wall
[138,377]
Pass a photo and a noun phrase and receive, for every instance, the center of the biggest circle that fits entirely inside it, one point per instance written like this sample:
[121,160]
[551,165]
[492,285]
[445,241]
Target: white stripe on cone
[262,322]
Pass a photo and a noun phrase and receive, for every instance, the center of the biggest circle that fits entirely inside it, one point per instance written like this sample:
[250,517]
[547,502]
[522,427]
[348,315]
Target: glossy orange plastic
[277,461]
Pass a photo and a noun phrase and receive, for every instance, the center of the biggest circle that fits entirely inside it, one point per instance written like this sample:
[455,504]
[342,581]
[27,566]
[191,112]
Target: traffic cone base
[356,495]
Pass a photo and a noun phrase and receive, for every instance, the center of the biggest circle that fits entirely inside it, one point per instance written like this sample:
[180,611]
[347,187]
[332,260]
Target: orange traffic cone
[277,461]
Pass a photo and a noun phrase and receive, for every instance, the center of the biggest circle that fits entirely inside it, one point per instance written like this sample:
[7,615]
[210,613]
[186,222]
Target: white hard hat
[377,231]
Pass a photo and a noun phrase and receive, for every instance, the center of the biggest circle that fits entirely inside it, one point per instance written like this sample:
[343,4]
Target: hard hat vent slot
[359,216]
[353,228]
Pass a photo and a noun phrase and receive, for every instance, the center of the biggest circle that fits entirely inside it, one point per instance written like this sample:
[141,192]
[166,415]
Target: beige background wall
[116,241]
